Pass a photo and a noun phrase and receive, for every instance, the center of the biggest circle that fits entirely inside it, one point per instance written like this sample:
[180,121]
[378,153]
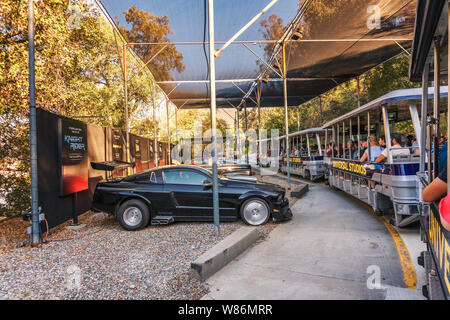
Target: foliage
[79,72]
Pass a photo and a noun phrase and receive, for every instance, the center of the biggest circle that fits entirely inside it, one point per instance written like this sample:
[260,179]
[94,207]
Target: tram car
[430,61]
[306,153]
[376,154]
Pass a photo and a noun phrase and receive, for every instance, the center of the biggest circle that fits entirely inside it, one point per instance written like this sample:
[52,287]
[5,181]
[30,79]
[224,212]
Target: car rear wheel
[133,215]
[255,212]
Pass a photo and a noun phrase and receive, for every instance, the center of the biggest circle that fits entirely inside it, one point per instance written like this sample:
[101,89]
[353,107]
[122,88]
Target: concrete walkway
[323,253]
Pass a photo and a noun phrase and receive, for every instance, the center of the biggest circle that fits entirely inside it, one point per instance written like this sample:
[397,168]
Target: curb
[222,253]
[301,191]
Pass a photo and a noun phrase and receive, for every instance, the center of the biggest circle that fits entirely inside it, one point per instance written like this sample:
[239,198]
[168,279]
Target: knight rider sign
[73,156]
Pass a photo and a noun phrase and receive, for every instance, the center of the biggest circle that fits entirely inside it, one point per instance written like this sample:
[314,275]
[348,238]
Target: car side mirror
[207,183]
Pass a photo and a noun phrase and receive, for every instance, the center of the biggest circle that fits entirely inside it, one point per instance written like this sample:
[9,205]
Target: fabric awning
[335,42]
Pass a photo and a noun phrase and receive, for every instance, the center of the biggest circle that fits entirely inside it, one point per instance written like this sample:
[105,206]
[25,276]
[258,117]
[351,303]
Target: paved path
[323,253]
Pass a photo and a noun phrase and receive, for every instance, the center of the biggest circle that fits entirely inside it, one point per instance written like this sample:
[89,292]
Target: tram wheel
[307,175]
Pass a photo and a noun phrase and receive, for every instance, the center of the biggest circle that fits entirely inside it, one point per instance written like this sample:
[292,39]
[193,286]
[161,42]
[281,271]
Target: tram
[383,176]
[429,61]
[306,153]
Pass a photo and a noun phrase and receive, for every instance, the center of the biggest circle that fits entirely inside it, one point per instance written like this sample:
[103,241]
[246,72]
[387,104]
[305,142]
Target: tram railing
[438,247]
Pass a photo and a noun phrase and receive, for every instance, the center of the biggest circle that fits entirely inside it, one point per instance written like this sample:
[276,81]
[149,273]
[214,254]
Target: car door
[191,200]
[151,186]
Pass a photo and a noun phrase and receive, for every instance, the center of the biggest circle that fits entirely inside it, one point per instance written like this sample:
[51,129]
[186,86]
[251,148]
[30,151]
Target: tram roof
[402,95]
[431,21]
[306,131]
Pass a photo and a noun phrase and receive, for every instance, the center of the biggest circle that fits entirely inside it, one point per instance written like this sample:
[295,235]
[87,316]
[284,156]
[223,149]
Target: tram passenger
[329,150]
[382,142]
[296,152]
[348,149]
[414,147]
[363,146]
[443,154]
[355,155]
[375,150]
[396,148]
[435,191]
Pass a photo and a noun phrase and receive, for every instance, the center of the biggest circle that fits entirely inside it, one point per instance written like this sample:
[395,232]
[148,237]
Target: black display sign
[73,156]
[137,154]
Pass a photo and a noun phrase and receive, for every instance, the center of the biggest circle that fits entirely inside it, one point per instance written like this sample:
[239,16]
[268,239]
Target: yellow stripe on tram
[409,273]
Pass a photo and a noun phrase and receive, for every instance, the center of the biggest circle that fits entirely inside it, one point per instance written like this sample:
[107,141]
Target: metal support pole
[333,140]
[359,138]
[237,34]
[176,124]
[308,145]
[238,138]
[423,129]
[357,85]
[368,137]
[343,139]
[436,70]
[337,141]
[448,110]
[155,137]
[286,122]
[387,132]
[258,99]
[246,128]
[35,229]
[212,77]
[351,140]
[125,86]
[169,160]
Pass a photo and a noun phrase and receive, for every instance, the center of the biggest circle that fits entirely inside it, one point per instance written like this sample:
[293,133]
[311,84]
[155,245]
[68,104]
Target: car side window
[184,177]
[153,177]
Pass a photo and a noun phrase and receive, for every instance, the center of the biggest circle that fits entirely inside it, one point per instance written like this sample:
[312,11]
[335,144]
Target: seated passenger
[442,154]
[329,150]
[396,148]
[382,142]
[414,146]
[363,146]
[375,150]
[435,191]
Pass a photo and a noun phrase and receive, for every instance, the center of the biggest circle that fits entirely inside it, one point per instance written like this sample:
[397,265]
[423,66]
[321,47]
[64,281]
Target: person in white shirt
[396,148]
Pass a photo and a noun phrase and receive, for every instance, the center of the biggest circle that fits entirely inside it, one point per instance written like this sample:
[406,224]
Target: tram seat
[415,157]
[401,158]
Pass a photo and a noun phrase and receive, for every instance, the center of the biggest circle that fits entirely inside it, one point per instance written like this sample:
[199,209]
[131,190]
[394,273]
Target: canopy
[327,43]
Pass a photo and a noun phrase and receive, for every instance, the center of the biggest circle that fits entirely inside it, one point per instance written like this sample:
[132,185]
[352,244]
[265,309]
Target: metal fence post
[212,81]
[35,228]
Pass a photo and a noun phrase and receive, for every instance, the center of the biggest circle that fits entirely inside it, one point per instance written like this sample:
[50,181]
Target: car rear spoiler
[110,166]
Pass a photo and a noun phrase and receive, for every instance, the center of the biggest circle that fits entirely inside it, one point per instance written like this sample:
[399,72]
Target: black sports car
[184,193]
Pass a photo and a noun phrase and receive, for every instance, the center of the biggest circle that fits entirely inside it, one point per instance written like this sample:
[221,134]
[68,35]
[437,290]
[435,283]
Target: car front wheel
[255,212]
[133,215]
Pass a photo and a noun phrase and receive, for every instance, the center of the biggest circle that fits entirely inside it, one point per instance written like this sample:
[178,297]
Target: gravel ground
[103,261]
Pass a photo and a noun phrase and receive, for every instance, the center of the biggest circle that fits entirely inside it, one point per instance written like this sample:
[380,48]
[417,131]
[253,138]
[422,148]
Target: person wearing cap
[435,191]
[396,148]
